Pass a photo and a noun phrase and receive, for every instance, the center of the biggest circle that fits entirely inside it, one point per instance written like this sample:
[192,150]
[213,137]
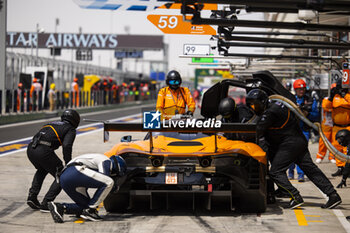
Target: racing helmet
[173,79]
[35,80]
[257,100]
[299,83]
[227,107]
[118,165]
[53,86]
[75,80]
[71,116]
[343,137]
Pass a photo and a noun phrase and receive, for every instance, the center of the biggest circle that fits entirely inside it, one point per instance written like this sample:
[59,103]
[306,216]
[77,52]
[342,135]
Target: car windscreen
[181,136]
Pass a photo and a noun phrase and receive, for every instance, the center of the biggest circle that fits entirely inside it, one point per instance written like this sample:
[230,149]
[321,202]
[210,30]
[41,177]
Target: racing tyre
[252,202]
[116,202]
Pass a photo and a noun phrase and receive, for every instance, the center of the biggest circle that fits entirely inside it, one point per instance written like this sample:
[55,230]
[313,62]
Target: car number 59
[166,21]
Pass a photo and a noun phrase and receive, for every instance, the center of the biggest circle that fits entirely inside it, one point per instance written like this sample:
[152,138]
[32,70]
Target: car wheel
[252,202]
[116,202]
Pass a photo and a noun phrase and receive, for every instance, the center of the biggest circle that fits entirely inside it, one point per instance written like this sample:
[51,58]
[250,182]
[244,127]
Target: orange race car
[201,164]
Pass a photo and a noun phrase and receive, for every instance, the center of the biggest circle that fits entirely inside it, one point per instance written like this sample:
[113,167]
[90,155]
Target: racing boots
[296,201]
[33,202]
[280,193]
[318,160]
[270,198]
[91,214]
[333,200]
[44,206]
[339,172]
[57,211]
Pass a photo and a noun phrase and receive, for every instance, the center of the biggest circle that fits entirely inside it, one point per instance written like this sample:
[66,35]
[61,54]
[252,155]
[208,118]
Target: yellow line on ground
[315,221]
[314,216]
[300,217]
[81,220]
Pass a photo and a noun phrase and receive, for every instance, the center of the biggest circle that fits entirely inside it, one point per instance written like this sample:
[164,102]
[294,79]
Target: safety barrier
[23,102]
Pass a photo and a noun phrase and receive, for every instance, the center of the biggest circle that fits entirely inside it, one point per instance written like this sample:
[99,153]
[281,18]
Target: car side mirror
[126,138]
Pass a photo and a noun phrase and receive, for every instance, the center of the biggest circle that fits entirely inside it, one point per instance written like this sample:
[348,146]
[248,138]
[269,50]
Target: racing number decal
[174,24]
[166,21]
[171,178]
[346,71]
[345,77]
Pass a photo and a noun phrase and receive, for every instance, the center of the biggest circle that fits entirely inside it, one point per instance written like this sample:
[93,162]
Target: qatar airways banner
[91,41]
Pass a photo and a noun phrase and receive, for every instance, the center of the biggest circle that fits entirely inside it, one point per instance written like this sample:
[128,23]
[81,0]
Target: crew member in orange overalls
[19,93]
[339,104]
[326,126]
[173,99]
[75,92]
[36,87]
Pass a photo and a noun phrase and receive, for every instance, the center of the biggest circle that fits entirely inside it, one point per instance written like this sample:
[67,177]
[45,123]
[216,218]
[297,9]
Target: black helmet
[257,100]
[288,86]
[71,116]
[118,165]
[173,79]
[227,107]
[343,137]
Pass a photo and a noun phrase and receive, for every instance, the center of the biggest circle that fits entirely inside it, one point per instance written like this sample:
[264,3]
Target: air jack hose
[316,126]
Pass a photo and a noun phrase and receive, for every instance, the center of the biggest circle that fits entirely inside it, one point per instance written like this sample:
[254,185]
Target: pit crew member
[41,153]
[173,99]
[339,104]
[309,107]
[287,144]
[343,138]
[84,172]
[327,126]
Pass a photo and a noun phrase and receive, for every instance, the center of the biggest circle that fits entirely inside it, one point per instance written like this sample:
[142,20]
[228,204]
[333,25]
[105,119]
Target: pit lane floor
[16,174]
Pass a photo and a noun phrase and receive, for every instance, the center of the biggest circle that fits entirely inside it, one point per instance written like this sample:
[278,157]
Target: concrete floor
[16,174]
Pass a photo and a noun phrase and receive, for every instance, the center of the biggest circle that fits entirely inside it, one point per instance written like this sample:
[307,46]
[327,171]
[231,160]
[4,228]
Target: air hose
[316,126]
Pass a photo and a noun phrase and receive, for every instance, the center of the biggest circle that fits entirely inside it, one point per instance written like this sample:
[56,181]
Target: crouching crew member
[83,172]
[232,113]
[287,145]
[41,153]
[343,138]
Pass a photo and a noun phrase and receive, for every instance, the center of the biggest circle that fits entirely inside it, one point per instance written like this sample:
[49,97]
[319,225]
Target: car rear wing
[139,127]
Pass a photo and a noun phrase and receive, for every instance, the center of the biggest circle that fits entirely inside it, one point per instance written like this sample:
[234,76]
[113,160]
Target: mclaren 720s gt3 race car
[199,165]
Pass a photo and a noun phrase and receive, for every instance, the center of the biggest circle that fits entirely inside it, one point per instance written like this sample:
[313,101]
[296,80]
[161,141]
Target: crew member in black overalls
[232,113]
[287,144]
[41,153]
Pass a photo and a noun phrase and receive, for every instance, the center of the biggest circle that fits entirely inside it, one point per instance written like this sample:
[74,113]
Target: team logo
[151,120]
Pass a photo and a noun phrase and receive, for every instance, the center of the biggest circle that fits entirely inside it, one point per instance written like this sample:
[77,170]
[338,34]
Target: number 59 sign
[173,24]
[345,83]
